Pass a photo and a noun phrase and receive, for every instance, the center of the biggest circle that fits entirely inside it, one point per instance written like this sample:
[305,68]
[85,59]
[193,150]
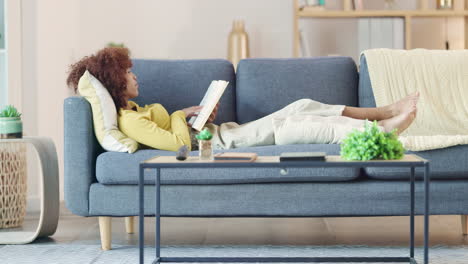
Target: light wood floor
[378,231]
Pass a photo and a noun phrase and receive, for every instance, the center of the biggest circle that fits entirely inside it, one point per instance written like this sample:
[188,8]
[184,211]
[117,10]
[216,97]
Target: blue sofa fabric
[355,198]
[267,85]
[366,95]
[127,171]
[177,84]
[446,163]
[80,152]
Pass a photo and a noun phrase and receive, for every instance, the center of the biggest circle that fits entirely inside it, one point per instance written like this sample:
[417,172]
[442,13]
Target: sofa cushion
[122,168]
[356,198]
[446,163]
[267,85]
[178,84]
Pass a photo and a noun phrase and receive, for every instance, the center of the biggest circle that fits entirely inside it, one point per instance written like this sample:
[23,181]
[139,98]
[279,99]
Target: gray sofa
[99,183]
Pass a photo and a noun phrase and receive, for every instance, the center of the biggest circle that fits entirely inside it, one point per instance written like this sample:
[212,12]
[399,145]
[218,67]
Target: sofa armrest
[80,152]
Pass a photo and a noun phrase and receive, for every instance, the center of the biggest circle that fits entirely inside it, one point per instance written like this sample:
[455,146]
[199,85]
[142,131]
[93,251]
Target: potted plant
[205,146]
[371,144]
[10,123]
[12,170]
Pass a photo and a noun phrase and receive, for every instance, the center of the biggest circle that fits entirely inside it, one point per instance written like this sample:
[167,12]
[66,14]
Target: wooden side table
[50,198]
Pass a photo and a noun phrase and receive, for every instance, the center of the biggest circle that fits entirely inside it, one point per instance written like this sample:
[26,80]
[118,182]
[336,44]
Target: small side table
[50,199]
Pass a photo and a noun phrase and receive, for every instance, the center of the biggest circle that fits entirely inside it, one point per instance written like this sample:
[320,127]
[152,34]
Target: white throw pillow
[104,116]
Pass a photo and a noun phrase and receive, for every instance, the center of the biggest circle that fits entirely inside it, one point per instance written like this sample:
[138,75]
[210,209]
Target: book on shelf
[209,101]
[236,156]
[304,43]
[380,33]
[358,5]
[312,4]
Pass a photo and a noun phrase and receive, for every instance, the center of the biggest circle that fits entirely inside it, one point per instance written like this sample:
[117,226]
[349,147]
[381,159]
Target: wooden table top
[275,159]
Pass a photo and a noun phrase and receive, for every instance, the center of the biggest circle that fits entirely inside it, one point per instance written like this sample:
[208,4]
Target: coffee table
[170,162]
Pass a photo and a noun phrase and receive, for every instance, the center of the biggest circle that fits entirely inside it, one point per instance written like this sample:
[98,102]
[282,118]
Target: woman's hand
[192,111]
[213,114]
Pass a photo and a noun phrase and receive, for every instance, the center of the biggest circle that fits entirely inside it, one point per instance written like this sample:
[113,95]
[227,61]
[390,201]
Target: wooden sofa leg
[105,230]
[129,224]
[464,223]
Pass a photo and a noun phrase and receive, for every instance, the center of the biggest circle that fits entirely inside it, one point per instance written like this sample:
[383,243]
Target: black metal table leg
[158,214]
[426,213]
[141,227]
[412,214]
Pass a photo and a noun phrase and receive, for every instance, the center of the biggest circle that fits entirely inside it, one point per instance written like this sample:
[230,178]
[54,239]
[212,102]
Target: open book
[209,101]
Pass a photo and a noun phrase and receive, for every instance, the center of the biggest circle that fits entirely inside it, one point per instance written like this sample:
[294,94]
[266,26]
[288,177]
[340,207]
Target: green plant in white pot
[10,123]
[12,170]
[204,142]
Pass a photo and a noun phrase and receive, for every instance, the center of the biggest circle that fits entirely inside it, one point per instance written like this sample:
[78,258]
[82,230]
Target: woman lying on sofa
[302,121]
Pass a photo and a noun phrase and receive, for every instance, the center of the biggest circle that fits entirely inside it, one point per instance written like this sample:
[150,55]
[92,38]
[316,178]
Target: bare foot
[406,104]
[400,122]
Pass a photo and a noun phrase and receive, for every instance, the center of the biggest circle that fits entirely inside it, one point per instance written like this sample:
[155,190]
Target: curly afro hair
[109,65]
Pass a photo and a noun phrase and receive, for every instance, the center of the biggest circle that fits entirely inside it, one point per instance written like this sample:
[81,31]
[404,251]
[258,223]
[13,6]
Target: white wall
[57,33]
[185,29]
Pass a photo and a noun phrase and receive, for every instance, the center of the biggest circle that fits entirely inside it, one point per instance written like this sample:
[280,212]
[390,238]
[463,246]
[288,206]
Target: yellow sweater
[154,127]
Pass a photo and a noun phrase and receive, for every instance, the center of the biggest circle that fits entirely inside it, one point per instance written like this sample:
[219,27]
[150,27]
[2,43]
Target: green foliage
[118,45]
[371,144]
[9,111]
[205,134]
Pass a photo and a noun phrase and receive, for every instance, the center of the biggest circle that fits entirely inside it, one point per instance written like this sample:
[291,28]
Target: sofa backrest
[366,95]
[178,84]
[267,85]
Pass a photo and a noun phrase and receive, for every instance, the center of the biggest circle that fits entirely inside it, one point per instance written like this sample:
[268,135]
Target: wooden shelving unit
[460,11]
[309,12]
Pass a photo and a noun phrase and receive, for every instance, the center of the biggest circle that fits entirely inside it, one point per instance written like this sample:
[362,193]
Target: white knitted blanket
[441,77]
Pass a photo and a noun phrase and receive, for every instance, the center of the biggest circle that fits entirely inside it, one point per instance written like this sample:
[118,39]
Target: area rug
[91,254]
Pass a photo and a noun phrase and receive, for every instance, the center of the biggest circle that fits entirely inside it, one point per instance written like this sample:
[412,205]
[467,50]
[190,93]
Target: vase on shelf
[444,4]
[390,5]
[238,43]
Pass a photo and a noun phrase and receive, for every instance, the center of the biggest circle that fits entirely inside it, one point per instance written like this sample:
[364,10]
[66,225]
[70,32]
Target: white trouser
[304,121]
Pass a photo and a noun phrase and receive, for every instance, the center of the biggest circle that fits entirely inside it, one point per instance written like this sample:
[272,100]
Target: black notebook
[303,156]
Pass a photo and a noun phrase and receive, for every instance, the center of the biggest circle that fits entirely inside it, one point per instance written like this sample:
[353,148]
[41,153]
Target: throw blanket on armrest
[441,77]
